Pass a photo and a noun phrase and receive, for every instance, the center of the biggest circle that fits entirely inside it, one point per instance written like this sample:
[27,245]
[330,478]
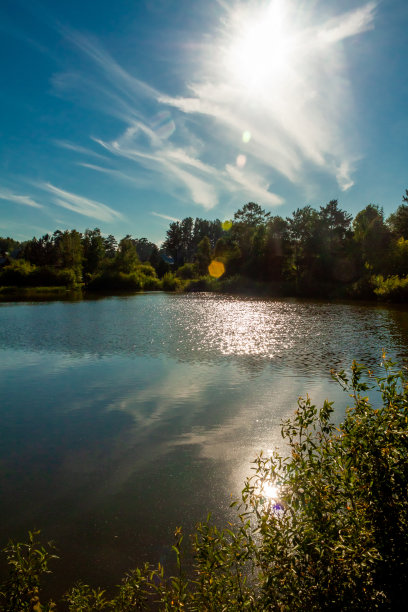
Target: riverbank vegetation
[324,527]
[313,253]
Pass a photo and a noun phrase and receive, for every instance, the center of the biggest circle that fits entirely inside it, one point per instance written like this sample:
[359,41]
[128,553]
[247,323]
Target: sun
[261,46]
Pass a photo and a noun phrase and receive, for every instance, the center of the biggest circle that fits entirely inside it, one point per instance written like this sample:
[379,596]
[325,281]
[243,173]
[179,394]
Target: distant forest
[316,253]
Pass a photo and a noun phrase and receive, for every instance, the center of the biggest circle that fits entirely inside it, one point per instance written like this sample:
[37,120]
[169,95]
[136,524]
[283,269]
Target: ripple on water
[304,335]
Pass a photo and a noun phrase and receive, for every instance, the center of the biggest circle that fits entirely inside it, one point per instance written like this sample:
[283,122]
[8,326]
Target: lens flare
[226,225]
[246,136]
[163,125]
[216,268]
[241,161]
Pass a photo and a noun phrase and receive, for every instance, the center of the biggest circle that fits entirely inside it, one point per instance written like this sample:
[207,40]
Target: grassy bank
[39,293]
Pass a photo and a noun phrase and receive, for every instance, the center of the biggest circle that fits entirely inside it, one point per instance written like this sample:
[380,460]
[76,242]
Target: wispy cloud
[19,199]
[70,146]
[81,205]
[256,184]
[293,101]
[351,23]
[297,115]
[173,163]
[120,78]
[166,217]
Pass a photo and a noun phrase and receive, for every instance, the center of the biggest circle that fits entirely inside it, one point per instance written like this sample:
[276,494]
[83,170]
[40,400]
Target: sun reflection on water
[270,492]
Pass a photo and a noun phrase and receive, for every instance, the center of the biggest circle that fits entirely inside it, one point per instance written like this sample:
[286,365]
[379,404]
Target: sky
[130,114]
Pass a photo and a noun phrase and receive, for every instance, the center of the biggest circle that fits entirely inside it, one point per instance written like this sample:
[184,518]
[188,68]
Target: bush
[50,277]
[187,271]
[204,283]
[170,282]
[152,284]
[143,277]
[323,528]
[21,273]
[110,280]
[393,288]
[146,269]
[17,273]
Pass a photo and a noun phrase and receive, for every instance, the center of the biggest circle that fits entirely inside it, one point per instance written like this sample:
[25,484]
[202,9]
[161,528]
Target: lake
[124,417]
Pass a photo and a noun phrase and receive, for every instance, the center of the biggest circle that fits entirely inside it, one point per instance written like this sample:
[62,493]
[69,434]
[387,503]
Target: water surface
[122,418]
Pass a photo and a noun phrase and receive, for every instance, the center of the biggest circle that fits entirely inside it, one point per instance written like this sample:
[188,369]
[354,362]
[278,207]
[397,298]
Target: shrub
[27,563]
[204,283]
[151,284]
[47,276]
[146,269]
[21,273]
[392,288]
[187,271]
[110,280]
[323,528]
[170,282]
[17,273]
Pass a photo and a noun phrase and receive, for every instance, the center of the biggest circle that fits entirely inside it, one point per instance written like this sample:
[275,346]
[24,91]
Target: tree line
[313,252]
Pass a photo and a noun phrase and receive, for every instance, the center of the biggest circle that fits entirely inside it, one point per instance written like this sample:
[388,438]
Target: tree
[203,255]
[251,215]
[173,244]
[144,248]
[40,252]
[126,257]
[94,250]
[373,238]
[333,246]
[303,228]
[248,233]
[187,245]
[69,251]
[398,221]
[212,229]
[8,244]
[277,249]
[111,246]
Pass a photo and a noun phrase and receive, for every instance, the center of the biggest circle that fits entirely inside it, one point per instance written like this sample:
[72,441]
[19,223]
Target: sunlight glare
[261,47]
[270,491]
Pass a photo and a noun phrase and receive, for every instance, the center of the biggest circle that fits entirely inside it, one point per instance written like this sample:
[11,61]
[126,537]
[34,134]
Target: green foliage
[398,221]
[324,527]
[251,215]
[27,563]
[8,244]
[170,282]
[21,273]
[126,258]
[151,283]
[204,283]
[314,253]
[393,288]
[82,598]
[146,269]
[187,271]
[17,273]
[203,255]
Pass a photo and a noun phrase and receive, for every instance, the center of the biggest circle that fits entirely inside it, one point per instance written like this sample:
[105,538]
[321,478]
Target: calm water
[124,417]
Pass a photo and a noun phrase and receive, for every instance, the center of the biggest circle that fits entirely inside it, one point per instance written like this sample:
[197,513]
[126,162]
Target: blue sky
[126,115]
